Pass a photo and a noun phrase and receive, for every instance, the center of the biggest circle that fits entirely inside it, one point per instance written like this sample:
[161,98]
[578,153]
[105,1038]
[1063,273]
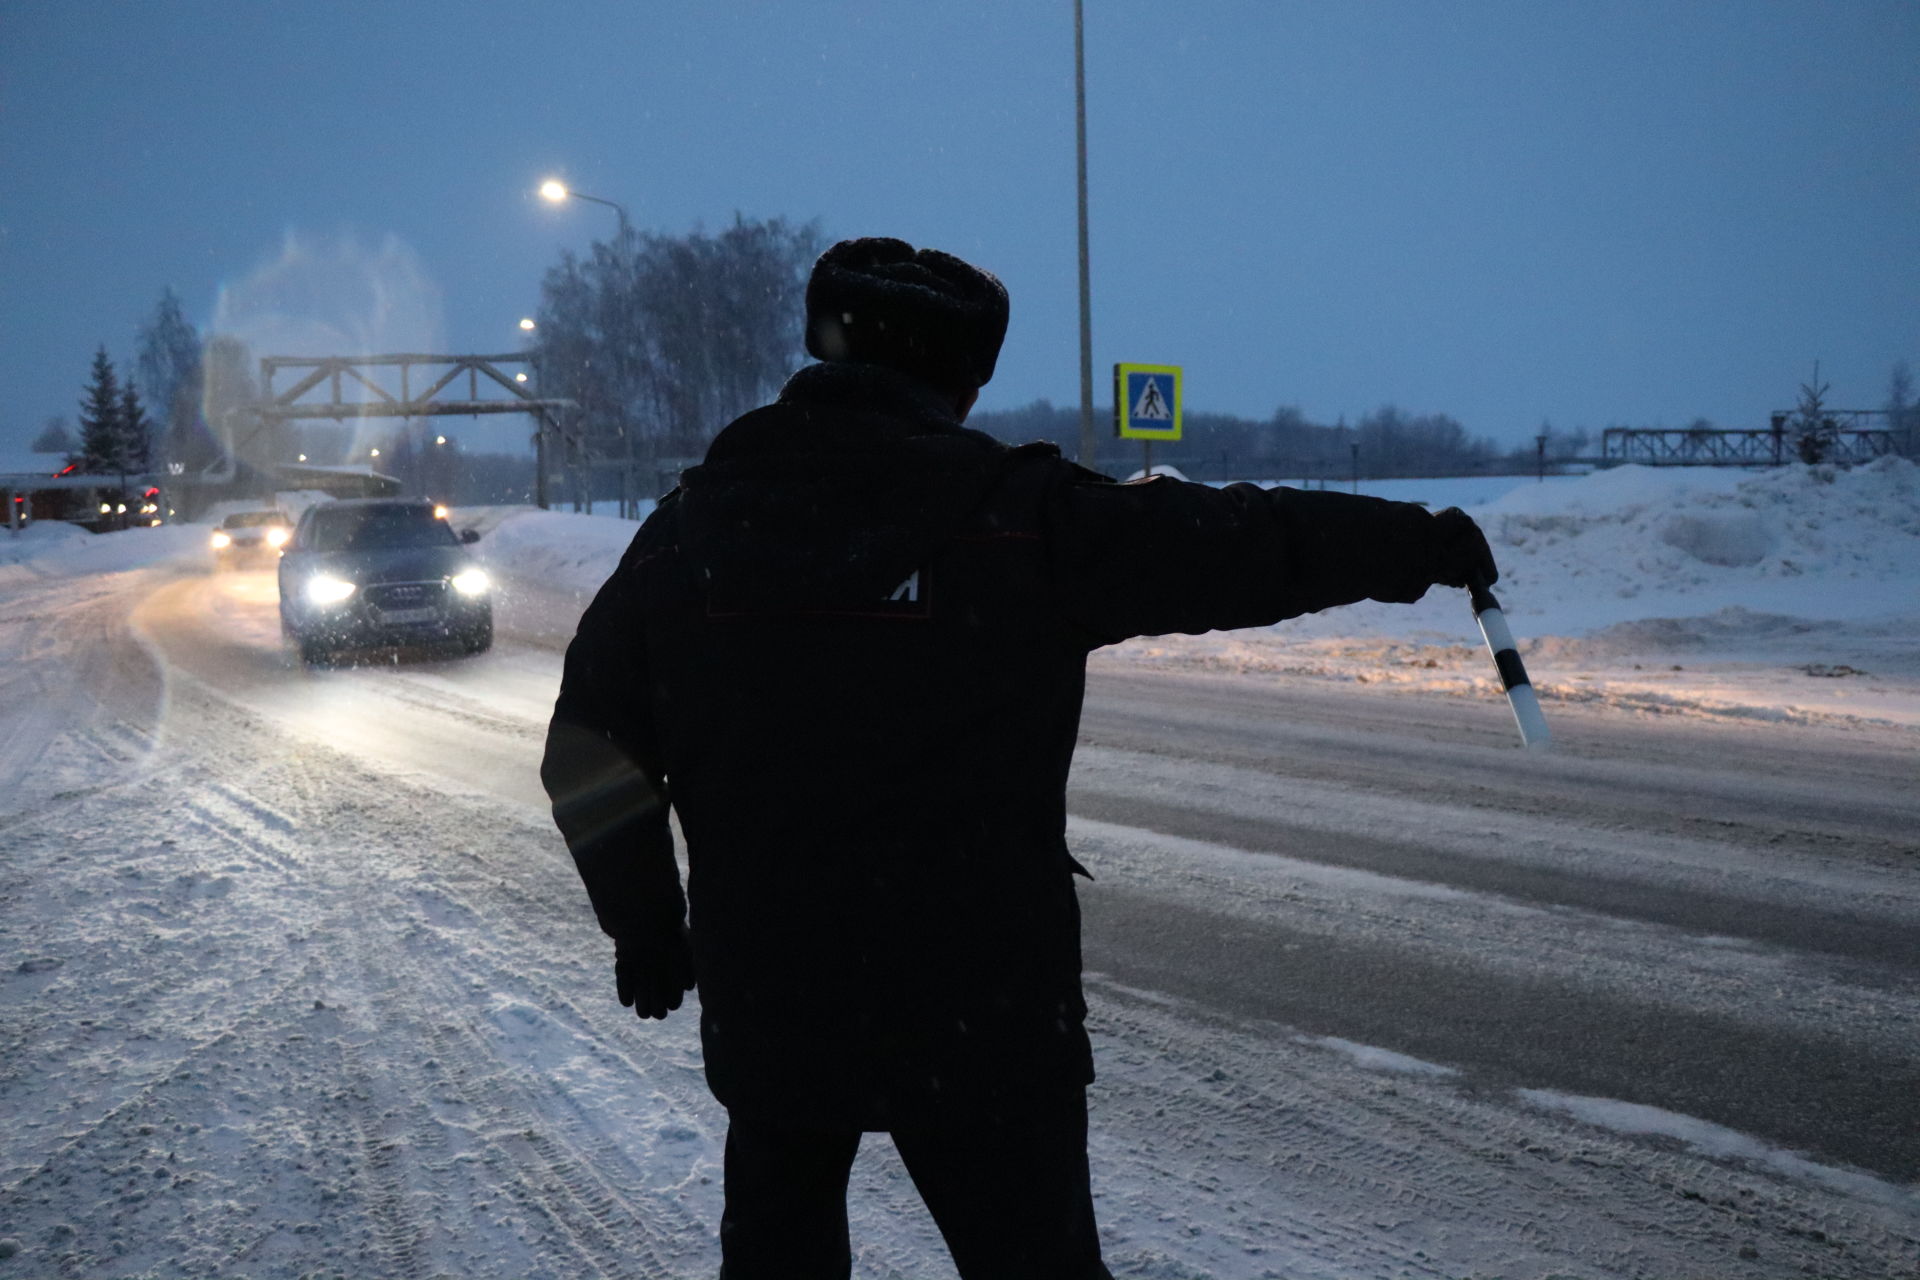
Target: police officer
[849,653]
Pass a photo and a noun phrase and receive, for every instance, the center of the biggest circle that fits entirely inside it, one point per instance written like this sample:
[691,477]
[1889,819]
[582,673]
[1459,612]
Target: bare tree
[54,436]
[167,367]
[227,391]
[662,340]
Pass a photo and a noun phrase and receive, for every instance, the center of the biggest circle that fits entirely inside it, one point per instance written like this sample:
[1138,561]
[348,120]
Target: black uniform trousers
[1008,1189]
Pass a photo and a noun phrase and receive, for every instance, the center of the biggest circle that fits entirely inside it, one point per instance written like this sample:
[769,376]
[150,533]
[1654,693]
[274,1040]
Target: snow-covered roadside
[48,548]
[1786,595]
[1781,595]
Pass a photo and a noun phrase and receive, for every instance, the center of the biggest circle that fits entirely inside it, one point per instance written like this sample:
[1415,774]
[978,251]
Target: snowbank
[48,547]
[1786,594]
[1578,555]
[558,549]
[1780,594]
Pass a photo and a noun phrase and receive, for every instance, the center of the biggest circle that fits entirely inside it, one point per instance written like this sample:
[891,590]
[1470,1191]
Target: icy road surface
[298,980]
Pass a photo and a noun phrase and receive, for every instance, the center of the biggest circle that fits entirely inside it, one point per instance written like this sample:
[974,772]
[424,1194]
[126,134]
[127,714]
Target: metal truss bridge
[351,393]
[1849,439]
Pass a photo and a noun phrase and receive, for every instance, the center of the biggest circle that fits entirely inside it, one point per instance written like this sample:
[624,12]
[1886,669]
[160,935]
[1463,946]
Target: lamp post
[557,191]
[1086,292]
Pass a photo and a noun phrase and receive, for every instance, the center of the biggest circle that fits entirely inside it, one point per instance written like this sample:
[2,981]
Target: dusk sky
[1590,213]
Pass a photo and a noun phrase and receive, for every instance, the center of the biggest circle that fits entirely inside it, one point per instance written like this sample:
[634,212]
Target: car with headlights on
[249,535]
[381,571]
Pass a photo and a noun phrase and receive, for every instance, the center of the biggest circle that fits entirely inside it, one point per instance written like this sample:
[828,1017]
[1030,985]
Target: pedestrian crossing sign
[1146,401]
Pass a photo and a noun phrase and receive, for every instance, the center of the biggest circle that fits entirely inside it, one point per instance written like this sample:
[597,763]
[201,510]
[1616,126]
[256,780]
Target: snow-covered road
[1674,913]
[299,980]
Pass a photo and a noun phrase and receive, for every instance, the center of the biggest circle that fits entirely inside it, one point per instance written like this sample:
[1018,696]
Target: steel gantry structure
[1849,439]
[343,374]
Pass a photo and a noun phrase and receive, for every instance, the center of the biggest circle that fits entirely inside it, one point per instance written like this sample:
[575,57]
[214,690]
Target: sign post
[1146,406]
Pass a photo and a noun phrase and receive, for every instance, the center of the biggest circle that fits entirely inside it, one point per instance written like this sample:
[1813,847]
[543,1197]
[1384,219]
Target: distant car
[250,535]
[381,571]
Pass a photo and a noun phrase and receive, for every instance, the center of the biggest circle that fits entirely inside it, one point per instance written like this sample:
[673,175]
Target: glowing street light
[559,191]
[519,377]
[526,324]
[439,439]
[303,457]
[374,453]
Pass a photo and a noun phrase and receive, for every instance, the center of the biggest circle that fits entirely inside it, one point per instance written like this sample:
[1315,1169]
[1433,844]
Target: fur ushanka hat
[881,301]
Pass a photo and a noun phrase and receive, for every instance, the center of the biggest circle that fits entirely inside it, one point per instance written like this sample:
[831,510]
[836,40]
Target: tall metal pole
[1087,441]
[540,461]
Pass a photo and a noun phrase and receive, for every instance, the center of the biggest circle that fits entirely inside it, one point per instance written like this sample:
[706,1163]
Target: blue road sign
[1146,401]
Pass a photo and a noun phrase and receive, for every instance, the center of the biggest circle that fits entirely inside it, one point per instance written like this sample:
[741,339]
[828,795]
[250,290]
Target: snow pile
[48,548]
[558,549]
[1735,553]
[40,538]
[1637,542]
[1788,594]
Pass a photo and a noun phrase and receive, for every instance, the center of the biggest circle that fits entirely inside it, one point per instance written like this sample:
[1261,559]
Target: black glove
[652,972]
[1460,551]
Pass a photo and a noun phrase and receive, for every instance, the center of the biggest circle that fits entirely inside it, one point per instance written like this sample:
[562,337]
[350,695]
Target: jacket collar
[871,387]
[842,406]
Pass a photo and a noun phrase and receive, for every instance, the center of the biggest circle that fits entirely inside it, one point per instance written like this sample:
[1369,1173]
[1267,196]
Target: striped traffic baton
[1513,673]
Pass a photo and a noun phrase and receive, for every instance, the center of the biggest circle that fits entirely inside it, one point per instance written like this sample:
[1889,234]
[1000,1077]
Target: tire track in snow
[245,1019]
[599,1175]
[1293,1162]
[107,676]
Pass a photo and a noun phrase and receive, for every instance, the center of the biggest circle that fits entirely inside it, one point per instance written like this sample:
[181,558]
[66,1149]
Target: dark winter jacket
[850,650]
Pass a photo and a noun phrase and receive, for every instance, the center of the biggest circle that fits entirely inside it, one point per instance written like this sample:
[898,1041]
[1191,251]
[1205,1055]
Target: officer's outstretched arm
[1164,555]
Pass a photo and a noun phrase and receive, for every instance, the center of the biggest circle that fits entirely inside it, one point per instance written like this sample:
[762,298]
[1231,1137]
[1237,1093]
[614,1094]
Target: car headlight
[277,537]
[471,582]
[220,539]
[324,588]
[440,511]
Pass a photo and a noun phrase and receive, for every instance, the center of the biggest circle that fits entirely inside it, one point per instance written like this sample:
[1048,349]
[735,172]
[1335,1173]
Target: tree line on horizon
[1286,447]
[661,340]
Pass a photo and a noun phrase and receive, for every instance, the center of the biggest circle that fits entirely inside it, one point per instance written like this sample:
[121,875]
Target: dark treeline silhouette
[1286,447]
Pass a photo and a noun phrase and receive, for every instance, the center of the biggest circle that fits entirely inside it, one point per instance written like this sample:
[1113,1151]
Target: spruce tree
[102,443]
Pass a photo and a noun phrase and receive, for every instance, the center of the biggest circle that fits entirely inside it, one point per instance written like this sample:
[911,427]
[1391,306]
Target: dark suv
[381,571]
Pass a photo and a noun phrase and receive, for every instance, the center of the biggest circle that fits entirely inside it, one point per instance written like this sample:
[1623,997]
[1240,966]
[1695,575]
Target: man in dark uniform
[849,652]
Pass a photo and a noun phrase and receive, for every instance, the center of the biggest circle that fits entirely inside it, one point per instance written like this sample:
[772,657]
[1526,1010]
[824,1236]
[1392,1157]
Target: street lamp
[556,191]
[526,324]
[559,191]
[1087,443]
